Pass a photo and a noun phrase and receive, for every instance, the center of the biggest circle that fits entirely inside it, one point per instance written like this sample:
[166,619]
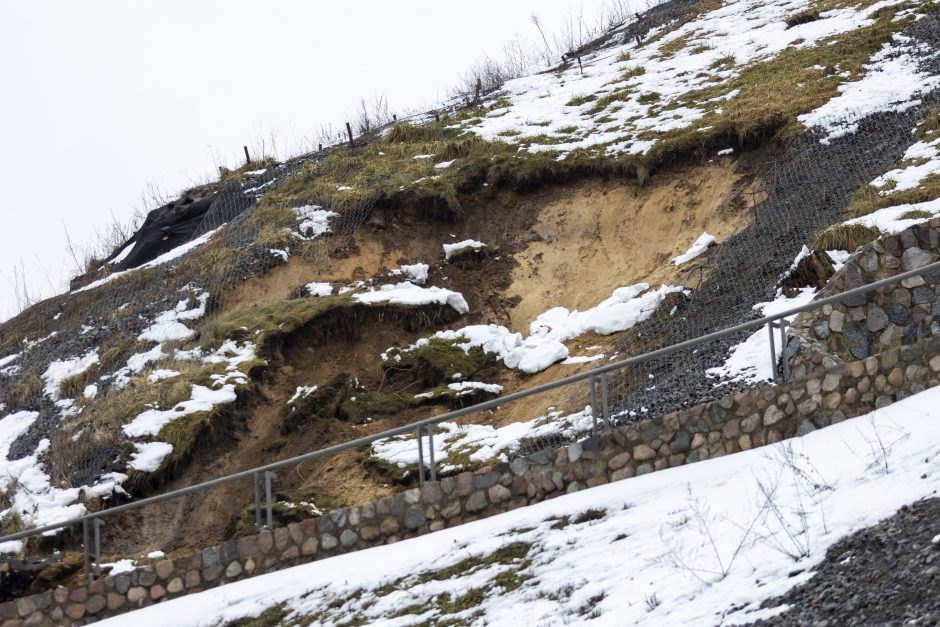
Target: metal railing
[601,419]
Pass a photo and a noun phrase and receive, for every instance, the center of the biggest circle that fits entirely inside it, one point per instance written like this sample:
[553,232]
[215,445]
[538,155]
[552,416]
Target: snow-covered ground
[34,498]
[627,93]
[892,81]
[750,360]
[697,545]
[624,309]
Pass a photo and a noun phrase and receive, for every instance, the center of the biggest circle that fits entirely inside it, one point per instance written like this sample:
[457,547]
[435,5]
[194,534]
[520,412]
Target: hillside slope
[458,256]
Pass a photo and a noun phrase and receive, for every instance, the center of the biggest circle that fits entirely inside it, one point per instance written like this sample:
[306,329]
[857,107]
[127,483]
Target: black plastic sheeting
[172,225]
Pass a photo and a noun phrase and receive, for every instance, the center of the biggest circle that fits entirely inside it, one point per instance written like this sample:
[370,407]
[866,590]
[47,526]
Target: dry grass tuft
[845,237]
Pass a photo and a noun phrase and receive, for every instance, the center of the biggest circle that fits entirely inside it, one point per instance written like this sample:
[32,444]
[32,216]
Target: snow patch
[700,245]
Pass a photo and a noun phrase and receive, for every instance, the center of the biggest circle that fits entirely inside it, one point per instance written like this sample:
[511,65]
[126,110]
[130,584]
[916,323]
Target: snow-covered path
[697,545]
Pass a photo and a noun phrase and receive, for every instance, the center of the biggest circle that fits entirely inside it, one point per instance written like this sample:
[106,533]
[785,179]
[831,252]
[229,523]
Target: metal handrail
[420,425]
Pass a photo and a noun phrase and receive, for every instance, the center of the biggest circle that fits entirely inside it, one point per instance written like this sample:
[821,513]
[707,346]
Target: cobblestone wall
[825,395]
[897,315]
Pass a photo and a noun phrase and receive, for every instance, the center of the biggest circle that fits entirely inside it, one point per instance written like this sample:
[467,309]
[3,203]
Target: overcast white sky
[101,97]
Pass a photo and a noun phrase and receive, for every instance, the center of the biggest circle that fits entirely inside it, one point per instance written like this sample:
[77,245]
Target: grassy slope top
[730,74]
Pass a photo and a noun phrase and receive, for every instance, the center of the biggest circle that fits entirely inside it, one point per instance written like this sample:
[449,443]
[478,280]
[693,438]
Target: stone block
[280,541]
[211,573]
[234,569]
[476,502]
[624,473]
[295,533]
[465,483]
[193,579]
[75,611]
[309,547]
[137,594]
[643,452]
[175,586]
[414,518]
[164,568]
[309,526]
[157,592]
[619,461]
[390,525]
[328,541]
[498,494]
[115,601]
[349,537]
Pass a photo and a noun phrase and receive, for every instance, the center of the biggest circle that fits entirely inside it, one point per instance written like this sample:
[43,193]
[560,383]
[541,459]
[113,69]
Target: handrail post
[267,491]
[773,352]
[85,550]
[98,523]
[421,479]
[257,480]
[593,383]
[783,350]
[604,400]
[430,429]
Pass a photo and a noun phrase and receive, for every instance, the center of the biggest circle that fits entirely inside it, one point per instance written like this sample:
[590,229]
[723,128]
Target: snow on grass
[60,370]
[161,374]
[890,220]
[202,398]
[893,81]
[166,257]
[314,220]
[416,273]
[702,544]
[149,455]
[627,94]
[698,247]
[455,249]
[468,387]
[302,392]
[922,159]
[32,496]
[319,289]
[750,360]
[626,307]
[167,326]
[478,443]
[407,293]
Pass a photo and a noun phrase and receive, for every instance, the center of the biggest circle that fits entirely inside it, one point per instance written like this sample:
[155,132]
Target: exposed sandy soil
[570,245]
[598,236]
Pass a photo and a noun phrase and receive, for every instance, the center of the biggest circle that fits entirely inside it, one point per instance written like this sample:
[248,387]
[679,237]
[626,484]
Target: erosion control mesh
[121,306]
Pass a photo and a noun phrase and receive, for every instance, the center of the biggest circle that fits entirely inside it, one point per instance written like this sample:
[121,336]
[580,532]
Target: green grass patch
[515,551]
[271,617]
[916,214]
[577,101]
[362,406]
[868,199]
[437,361]
[803,17]
[929,128]
[845,237]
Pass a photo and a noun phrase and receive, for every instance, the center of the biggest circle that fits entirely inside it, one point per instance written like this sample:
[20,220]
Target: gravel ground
[888,574]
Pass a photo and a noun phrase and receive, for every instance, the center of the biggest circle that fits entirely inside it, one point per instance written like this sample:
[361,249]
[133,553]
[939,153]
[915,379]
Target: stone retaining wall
[825,395]
[893,316]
